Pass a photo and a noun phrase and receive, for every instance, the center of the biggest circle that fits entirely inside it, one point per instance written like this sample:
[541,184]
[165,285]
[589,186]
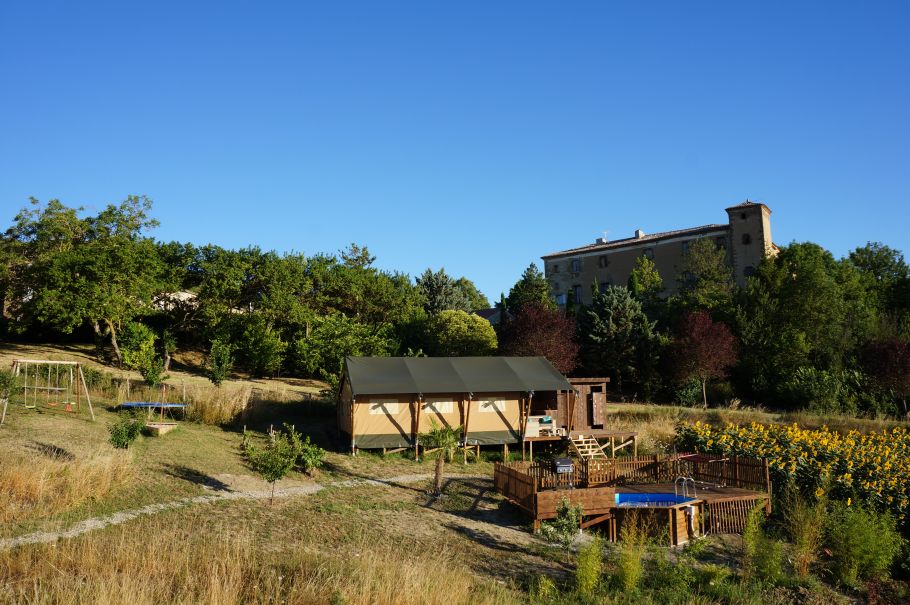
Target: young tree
[707,280]
[614,330]
[888,363]
[704,349]
[442,293]
[220,361]
[645,282]
[274,461]
[459,334]
[537,330]
[531,289]
[446,440]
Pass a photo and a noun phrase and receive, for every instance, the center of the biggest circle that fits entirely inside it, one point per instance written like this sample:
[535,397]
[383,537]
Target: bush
[562,530]
[863,544]
[672,582]
[543,590]
[805,525]
[762,557]
[823,392]
[221,361]
[589,567]
[125,430]
[8,383]
[309,455]
[688,393]
[261,347]
[633,541]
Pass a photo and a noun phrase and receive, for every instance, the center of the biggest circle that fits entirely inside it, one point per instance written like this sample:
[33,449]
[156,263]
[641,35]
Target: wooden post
[88,400]
[467,420]
[417,430]
[353,441]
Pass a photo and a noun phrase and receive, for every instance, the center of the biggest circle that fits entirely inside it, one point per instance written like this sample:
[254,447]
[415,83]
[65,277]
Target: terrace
[716,496]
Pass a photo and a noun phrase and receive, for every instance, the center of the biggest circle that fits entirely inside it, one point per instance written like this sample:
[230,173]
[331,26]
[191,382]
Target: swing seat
[52,404]
[68,408]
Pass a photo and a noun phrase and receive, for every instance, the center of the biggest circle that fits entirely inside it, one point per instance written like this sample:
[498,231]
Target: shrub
[221,361]
[762,557]
[589,567]
[805,525]
[273,461]
[562,530]
[688,393]
[633,541]
[261,346]
[543,590]
[672,582]
[863,544]
[125,430]
[825,392]
[309,455]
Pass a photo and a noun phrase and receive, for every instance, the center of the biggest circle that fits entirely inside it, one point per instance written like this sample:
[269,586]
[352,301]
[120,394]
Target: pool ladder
[681,487]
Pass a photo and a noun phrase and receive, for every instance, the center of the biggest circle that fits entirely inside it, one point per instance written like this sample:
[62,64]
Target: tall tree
[646,285]
[459,334]
[704,349]
[476,299]
[536,330]
[614,329]
[886,276]
[531,289]
[441,292]
[707,280]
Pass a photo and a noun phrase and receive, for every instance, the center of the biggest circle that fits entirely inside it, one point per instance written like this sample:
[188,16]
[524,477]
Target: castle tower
[750,238]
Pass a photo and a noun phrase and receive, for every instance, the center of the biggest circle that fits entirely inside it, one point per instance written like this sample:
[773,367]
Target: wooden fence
[729,516]
[733,471]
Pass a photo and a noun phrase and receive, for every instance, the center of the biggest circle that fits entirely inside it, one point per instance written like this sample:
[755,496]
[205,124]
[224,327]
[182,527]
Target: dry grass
[217,405]
[156,563]
[42,485]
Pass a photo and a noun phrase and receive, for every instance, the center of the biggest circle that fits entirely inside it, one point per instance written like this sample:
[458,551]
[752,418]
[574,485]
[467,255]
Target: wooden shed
[386,402]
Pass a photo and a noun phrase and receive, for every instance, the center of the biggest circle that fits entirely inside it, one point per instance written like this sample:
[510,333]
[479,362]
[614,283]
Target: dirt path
[295,489]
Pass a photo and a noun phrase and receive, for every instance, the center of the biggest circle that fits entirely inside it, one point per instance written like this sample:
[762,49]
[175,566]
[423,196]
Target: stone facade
[746,237]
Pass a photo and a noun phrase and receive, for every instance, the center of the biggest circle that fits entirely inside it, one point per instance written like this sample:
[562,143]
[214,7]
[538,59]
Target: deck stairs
[587,448]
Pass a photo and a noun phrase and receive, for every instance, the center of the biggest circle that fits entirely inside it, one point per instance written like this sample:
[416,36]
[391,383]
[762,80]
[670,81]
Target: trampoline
[151,404]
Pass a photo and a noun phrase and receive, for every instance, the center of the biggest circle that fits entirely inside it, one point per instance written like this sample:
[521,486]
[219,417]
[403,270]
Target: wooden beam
[596,520]
[88,400]
[417,430]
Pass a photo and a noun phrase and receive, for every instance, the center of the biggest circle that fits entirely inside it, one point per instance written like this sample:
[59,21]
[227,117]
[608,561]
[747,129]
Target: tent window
[387,407]
[492,405]
[439,406]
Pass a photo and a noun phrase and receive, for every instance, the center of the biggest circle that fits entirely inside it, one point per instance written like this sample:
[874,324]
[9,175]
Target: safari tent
[386,402]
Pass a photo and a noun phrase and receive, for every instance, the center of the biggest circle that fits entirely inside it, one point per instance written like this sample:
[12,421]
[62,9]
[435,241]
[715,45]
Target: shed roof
[388,375]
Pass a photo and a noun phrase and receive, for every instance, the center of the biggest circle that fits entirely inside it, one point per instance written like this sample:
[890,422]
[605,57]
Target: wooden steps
[587,448]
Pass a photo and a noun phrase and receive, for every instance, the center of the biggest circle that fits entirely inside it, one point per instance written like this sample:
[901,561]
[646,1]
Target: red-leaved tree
[704,349]
[888,363]
[536,330]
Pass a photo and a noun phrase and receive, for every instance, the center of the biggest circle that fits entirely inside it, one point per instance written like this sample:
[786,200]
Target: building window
[561,300]
[384,407]
[439,405]
[554,268]
[649,253]
[747,239]
[749,271]
[492,405]
[576,265]
[742,215]
[576,294]
[602,261]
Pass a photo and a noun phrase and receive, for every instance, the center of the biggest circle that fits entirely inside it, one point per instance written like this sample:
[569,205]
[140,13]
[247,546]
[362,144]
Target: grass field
[338,539]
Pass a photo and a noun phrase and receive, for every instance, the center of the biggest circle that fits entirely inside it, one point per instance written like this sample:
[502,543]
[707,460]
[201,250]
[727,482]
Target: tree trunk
[167,360]
[113,335]
[440,460]
[704,393]
[272,497]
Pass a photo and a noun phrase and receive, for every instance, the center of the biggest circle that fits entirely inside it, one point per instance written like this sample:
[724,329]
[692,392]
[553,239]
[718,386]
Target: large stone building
[746,236]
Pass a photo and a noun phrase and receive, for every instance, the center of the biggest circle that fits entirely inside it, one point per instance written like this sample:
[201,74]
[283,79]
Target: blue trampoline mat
[150,404]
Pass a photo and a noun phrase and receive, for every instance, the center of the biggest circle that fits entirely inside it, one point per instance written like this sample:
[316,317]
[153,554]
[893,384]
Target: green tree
[614,330]
[261,346]
[139,353]
[442,293]
[476,299]
[459,334]
[220,361]
[331,338]
[531,289]
[99,270]
[645,282]
[707,280]
[446,440]
[275,460]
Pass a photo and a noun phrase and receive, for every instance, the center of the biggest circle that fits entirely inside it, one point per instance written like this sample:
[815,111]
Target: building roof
[748,204]
[396,375]
[634,241]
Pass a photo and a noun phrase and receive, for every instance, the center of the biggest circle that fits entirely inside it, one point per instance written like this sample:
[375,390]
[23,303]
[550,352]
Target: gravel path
[96,523]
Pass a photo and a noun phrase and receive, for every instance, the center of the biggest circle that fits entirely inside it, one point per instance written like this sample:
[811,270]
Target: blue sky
[471,135]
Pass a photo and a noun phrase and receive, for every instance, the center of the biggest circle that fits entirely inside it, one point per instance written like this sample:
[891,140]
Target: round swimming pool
[650,500]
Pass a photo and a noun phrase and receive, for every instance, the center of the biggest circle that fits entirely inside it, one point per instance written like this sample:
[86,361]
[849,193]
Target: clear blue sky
[471,135]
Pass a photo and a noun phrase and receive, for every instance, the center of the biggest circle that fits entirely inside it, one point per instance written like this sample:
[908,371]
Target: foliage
[446,440]
[125,430]
[688,392]
[762,557]
[888,364]
[543,589]
[707,279]
[804,522]
[137,345]
[220,361]
[615,329]
[476,299]
[309,455]
[276,459]
[872,467]
[321,350]
[563,529]
[459,334]
[537,330]
[863,543]
[823,392]
[672,582]
[589,566]
[645,282]
[442,293]
[532,288]
[633,542]
[704,349]
[261,346]
[8,383]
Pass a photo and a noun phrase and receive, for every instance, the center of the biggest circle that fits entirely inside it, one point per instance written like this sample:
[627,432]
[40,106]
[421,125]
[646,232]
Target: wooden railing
[734,471]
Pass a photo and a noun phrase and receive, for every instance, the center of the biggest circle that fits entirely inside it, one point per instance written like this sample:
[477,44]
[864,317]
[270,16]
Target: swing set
[51,384]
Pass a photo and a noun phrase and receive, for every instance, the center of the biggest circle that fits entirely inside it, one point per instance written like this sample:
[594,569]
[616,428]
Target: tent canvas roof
[393,375]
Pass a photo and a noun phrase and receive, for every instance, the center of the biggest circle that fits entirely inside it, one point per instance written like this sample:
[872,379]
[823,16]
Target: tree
[220,361]
[441,292]
[614,330]
[704,349]
[707,280]
[274,461]
[886,277]
[531,288]
[645,282]
[459,334]
[537,330]
[888,363]
[261,346]
[99,270]
[357,257]
[476,299]
[446,440]
[139,353]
